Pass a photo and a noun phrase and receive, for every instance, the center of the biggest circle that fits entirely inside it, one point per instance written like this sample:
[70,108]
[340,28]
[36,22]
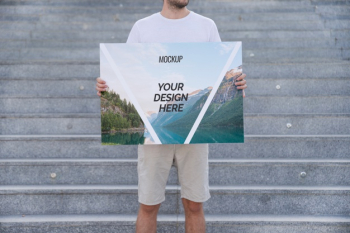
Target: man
[175,23]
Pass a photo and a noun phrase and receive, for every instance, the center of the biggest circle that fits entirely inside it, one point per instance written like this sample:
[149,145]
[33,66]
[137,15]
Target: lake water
[178,136]
[123,138]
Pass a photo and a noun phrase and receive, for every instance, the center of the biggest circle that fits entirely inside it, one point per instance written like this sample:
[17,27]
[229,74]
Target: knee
[149,209]
[193,207]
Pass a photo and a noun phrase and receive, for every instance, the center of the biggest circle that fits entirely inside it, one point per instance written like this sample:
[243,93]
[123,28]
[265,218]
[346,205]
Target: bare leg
[147,218]
[194,216]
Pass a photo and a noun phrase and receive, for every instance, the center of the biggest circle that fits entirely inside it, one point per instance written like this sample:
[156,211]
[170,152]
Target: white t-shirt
[158,29]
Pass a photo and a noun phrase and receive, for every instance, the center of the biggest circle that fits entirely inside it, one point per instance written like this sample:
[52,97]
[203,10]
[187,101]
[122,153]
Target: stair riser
[270,202]
[91,227]
[221,202]
[326,10]
[293,148]
[247,43]
[148,3]
[51,105]
[211,227]
[127,25]
[298,88]
[293,105]
[330,2]
[257,125]
[249,55]
[338,24]
[302,70]
[312,147]
[229,173]
[149,8]
[228,34]
[259,71]
[64,148]
[102,202]
[121,17]
[341,34]
[230,227]
[304,125]
[54,71]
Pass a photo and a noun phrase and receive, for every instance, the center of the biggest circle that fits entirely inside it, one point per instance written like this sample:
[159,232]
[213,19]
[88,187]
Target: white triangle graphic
[129,93]
[212,93]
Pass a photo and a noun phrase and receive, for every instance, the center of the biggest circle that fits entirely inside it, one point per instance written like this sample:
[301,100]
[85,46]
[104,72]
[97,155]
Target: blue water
[178,136]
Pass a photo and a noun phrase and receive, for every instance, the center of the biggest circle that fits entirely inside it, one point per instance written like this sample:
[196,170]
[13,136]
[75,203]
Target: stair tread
[109,161]
[173,218]
[59,188]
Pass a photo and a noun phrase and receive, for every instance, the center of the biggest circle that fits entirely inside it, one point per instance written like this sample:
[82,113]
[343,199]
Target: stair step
[122,17]
[49,27]
[338,24]
[297,105]
[133,17]
[248,43]
[299,89]
[302,70]
[272,104]
[222,7]
[330,2]
[229,34]
[324,172]
[301,124]
[145,3]
[254,147]
[272,55]
[75,70]
[82,104]
[91,223]
[340,33]
[122,199]
[334,10]
[260,124]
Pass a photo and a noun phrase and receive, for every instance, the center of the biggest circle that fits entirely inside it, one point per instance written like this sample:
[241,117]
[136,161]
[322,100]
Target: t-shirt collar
[176,20]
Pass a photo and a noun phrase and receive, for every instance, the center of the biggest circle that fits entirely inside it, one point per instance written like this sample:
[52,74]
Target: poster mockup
[171,93]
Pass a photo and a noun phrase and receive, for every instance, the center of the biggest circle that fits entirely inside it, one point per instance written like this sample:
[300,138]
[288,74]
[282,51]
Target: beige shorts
[154,164]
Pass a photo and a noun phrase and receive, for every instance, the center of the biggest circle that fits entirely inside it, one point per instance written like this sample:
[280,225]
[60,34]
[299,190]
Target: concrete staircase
[56,177]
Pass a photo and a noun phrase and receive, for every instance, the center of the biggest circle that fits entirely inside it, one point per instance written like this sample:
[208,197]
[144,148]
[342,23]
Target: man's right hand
[100,86]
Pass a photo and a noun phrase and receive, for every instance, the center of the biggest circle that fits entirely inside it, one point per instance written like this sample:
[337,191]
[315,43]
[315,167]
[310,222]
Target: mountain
[151,116]
[225,109]
[190,117]
[117,113]
[227,89]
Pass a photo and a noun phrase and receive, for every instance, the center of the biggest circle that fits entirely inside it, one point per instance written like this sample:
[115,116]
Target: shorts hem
[194,200]
[151,203]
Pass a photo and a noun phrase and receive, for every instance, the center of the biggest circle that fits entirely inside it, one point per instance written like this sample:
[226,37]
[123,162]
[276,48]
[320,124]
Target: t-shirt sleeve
[214,33]
[133,35]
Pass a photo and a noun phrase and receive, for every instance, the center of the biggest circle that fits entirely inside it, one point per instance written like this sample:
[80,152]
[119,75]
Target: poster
[171,93]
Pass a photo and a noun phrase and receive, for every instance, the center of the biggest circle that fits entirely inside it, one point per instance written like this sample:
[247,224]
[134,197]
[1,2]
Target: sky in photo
[139,65]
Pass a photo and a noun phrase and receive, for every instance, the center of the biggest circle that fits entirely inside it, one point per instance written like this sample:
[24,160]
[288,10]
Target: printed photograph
[171,93]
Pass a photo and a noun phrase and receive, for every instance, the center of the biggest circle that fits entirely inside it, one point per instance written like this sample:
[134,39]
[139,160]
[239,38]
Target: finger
[100,80]
[101,85]
[98,93]
[241,77]
[242,87]
[241,83]
[243,94]
[100,89]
